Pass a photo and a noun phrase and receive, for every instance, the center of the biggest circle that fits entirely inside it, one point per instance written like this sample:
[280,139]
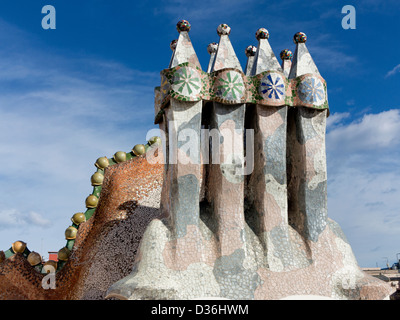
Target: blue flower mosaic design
[312,91]
[272,87]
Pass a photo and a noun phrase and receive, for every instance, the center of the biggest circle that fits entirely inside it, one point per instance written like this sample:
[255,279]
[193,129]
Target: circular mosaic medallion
[229,86]
[311,91]
[272,87]
[186,82]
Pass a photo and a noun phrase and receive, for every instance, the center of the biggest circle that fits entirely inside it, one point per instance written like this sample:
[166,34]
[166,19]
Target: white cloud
[12,218]
[336,119]
[370,133]
[37,219]
[57,116]
[392,72]
[364,182]
[330,54]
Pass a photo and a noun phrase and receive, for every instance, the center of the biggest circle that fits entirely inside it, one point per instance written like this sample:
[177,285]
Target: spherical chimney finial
[251,51]
[212,47]
[286,54]
[300,37]
[183,25]
[223,29]
[262,33]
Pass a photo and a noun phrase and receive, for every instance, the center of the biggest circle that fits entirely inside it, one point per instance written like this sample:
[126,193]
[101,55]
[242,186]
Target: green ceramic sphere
[18,246]
[102,163]
[97,179]
[91,201]
[139,149]
[120,156]
[63,254]
[34,258]
[78,218]
[155,140]
[70,233]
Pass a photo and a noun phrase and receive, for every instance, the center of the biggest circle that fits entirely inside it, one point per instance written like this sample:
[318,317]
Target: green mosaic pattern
[187,82]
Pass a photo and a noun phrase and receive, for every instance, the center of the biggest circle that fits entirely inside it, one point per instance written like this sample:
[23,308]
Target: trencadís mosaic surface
[249,223]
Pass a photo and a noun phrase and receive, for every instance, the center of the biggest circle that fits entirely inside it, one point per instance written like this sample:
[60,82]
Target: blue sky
[85,90]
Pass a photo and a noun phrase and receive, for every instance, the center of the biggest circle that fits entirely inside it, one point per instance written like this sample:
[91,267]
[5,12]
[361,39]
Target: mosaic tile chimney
[244,198]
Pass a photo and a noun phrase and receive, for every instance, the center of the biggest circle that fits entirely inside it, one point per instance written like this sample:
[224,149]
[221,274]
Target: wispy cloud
[13,218]
[199,11]
[330,54]
[370,133]
[350,102]
[392,72]
[364,181]
[336,119]
[58,114]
